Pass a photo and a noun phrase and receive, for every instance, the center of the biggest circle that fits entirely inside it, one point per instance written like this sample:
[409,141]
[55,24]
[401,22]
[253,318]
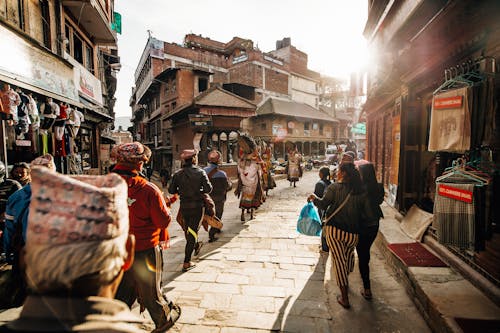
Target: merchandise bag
[309,222]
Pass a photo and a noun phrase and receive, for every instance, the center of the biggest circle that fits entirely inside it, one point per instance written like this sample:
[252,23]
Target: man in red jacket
[149,219]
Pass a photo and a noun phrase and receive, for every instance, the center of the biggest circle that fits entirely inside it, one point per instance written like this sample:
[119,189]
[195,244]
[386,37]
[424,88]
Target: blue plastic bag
[309,222]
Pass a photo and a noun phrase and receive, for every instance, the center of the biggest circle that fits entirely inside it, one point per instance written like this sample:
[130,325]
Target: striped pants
[342,245]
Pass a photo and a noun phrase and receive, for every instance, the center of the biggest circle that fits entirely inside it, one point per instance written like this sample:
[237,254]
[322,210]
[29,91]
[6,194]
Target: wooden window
[44,7]
[78,48]
[89,58]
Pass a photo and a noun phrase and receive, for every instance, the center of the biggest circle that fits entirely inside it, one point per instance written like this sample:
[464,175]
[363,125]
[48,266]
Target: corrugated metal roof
[290,108]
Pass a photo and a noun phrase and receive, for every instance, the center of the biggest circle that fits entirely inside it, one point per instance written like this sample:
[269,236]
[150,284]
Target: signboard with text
[455,193]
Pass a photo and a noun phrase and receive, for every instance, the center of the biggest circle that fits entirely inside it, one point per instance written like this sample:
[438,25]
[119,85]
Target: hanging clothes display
[460,210]
[450,126]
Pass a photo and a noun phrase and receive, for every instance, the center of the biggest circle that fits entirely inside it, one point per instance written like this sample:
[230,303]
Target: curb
[437,314]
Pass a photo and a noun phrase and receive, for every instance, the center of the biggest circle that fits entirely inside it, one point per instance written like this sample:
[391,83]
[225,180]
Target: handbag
[325,220]
[309,222]
[213,221]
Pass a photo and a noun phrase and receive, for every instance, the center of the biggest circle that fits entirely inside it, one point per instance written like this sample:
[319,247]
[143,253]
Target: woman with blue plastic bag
[343,202]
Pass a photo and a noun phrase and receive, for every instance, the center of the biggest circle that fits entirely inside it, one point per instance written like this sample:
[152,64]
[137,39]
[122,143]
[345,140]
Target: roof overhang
[92,18]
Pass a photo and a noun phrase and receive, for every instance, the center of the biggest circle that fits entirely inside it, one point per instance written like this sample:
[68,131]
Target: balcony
[92,17]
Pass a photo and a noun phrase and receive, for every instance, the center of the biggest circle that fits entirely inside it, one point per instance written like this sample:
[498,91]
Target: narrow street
[261,276]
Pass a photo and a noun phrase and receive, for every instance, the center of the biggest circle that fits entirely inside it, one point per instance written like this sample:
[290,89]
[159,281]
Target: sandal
[341,301]
[367,296]
[197,248]
[188,268]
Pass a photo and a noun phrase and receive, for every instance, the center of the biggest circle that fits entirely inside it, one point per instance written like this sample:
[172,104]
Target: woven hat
[134,152]
[45,160]
[71,209]
[188,153]
[214,156]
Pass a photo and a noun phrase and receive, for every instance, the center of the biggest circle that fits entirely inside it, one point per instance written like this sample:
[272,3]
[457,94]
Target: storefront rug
[469,325]
[414,254]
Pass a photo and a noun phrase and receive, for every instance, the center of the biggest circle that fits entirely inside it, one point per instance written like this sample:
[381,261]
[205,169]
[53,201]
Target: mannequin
[33,112]
[10,100]
[22,126]
[61,120]
[50,111]
[75,119]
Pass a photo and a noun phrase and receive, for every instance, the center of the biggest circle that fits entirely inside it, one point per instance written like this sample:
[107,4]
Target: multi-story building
[65,51]
[203,92]
[425,49]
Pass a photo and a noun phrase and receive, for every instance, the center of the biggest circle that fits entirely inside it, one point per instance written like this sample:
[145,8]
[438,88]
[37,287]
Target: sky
[329,31]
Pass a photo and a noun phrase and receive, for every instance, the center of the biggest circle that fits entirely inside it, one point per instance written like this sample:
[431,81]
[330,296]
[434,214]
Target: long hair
[351,177]
[368,177]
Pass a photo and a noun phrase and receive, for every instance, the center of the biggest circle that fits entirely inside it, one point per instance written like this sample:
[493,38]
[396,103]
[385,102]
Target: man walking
[221,185]
[149,219]
[190,182]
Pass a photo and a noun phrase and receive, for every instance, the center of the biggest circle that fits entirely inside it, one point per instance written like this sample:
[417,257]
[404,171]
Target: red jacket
[148,211]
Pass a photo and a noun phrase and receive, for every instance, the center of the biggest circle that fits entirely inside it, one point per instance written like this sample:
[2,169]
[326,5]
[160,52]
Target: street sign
[359,128]
[198,120]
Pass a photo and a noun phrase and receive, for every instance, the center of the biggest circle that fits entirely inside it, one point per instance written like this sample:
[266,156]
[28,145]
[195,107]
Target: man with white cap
[190,182]
[77,249]
[221,184]
[149,220]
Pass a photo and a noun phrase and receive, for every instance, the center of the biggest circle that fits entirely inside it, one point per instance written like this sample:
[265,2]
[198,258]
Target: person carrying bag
[343,202]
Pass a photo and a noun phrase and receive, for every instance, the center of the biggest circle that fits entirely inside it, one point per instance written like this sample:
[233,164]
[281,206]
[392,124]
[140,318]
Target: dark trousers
[140,283]
[219,210]
[192,219]
[366,239]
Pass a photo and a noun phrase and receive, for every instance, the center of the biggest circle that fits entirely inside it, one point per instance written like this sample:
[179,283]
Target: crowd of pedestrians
[84,249]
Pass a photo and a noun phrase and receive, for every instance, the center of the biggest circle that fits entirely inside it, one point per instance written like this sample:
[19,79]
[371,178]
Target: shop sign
[197,120]
[455,193]
[276,61]
[240,58]
[35,67]
[448,102]
[88,85]
[359,128]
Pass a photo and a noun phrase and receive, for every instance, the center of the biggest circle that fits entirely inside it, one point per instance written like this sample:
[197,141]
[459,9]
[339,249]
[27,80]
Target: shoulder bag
[325,220]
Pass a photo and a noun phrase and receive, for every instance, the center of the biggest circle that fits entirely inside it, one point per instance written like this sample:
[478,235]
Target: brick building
[425,48]
[172,83]
[66,51]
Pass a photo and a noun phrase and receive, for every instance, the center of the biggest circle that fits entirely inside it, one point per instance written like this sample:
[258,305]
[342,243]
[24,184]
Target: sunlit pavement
[262,276]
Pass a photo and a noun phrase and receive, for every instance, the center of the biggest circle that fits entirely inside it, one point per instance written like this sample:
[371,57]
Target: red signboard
[448,102]
[455,193]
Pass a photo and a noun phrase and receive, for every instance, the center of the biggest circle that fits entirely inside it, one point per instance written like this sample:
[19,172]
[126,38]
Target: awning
[94,108]
[40,91]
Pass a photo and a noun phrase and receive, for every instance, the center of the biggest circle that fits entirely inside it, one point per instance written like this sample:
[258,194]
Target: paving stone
[219,288]
[263,291]
[216,301]
[232,278]
[199,328]
[191,315]
[253,303]
[258,320]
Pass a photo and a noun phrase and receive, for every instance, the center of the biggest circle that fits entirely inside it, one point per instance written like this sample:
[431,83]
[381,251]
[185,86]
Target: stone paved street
[263,276]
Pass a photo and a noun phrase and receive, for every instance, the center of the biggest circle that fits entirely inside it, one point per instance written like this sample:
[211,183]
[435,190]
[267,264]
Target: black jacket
[350,217]
[189,182]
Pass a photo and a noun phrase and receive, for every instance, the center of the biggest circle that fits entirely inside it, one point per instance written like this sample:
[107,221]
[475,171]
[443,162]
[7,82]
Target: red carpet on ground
[414,254]
[478,325]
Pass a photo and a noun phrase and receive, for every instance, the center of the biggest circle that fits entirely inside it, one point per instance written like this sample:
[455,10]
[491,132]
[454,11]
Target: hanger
[458,172]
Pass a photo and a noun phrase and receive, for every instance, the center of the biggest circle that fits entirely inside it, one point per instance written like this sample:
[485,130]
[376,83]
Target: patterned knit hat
[45,160]
[214,156]
[134,153]
[188,153]
[72,209]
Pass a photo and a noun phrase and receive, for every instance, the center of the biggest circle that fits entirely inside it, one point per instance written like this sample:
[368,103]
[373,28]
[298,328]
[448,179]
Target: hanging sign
[448,102]
[455,193]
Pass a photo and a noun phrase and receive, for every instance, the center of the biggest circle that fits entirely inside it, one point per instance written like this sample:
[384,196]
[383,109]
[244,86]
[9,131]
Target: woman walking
[367,235]
[343,202]
[319,191]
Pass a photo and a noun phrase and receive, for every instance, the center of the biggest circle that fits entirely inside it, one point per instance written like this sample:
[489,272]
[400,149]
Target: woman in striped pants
[343,202]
